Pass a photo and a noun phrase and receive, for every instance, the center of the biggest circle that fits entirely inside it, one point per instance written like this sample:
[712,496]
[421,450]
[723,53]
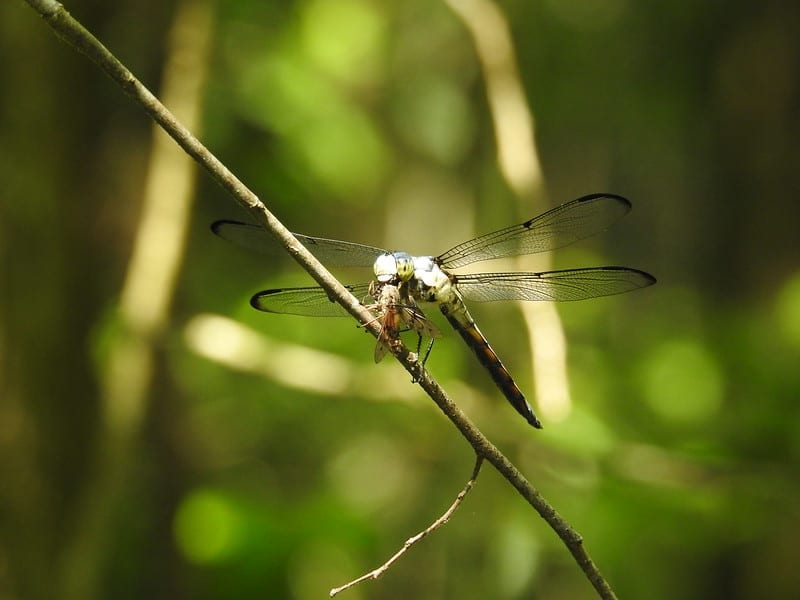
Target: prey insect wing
[397,314]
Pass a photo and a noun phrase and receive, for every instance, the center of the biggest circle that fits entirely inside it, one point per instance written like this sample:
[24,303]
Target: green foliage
[275,459]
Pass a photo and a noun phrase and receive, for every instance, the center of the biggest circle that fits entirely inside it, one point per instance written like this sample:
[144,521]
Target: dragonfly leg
[427,351]
[424,358]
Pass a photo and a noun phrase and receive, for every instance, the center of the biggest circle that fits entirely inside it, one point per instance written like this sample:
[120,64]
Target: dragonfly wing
[558,227]
[554,286]
[304,301]
[335,253]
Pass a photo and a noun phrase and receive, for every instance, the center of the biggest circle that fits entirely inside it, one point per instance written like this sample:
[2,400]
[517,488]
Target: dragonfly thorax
[430,283]
[388,267]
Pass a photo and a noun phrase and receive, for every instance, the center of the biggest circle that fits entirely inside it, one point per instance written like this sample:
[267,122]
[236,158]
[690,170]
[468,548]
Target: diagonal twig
[77,36]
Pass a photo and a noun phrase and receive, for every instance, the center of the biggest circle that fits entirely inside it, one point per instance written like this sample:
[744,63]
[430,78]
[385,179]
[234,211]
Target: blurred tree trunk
[72,169]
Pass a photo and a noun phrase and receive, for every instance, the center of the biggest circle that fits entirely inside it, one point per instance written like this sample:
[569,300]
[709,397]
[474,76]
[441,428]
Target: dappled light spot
[345,150]
[303,88]
[516,552]
[656,466]
[344,38]
[583,433]
[682,381]
[548,360]
[236,346]
[787,310]
[433,116]
[225,341]
[372,473]
[207,528]
[317,566]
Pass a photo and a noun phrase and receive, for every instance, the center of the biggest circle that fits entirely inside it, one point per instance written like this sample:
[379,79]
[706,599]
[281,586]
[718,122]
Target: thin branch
[76,35]
[374,574]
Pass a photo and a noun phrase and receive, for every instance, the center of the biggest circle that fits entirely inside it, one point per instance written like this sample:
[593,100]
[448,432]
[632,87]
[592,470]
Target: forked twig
[375,573]
[77,36]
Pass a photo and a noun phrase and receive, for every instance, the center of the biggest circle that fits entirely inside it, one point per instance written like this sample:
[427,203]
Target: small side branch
[374,574]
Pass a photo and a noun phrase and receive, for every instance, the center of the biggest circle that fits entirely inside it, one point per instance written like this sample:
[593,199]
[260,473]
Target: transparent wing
[555,286]
[558,227]
[331,252]
[305,301]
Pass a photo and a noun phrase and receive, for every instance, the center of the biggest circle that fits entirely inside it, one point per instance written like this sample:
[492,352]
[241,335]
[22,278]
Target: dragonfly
[430,279]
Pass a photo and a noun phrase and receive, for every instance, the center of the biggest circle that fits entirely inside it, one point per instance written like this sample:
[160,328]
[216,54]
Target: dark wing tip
[644,279]
[647,278]
[255,300]
[621,199]
[216,226]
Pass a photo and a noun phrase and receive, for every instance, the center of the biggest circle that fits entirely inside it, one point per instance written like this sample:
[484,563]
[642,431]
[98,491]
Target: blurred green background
[266,456]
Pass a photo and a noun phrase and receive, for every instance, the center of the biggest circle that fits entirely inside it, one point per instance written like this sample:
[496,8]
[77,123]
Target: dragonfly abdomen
[459,317]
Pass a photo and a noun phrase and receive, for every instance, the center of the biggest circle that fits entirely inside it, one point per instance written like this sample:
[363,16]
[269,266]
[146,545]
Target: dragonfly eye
[385,268]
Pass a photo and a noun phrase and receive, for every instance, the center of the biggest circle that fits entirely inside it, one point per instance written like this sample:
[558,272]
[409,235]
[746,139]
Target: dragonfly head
[388,267]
